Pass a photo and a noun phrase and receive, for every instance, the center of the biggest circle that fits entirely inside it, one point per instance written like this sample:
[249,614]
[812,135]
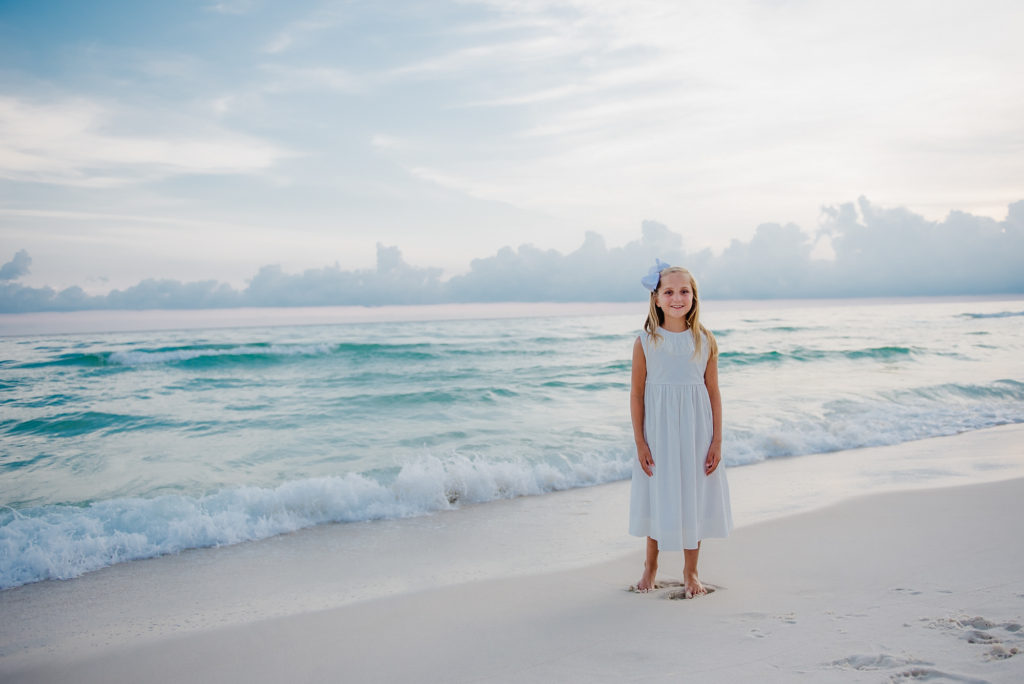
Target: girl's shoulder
[648,341]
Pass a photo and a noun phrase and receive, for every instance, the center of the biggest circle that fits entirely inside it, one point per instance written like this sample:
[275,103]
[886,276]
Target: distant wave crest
[202,353]
[209,355]
[242,353]
[801,354]
[1000,314]
[256,354]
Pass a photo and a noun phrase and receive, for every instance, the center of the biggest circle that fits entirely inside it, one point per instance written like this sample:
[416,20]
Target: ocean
[212,428]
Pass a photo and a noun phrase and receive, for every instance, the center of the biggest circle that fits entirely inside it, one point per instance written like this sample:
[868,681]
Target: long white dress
[679,505]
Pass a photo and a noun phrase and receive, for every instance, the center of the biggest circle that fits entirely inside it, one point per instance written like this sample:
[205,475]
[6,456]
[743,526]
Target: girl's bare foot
[692,586]
[646,582]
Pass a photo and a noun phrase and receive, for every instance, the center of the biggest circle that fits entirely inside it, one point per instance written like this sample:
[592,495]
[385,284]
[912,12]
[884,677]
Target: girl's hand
[713,459]
[643,453]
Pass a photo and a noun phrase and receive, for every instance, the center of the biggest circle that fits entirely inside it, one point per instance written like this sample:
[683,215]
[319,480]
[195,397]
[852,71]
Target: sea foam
[62,541]
[889,418]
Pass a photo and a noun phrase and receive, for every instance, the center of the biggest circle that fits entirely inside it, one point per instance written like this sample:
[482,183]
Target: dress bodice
[670,360]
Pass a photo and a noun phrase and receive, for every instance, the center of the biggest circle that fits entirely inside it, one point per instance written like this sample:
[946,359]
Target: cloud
[296,31]
[67,142]
[775,263]
[16,267]
[896,251]
[172,294]
[634,102]
[237,7]
[286,79]
[593,272]
[392,282]
[877,252]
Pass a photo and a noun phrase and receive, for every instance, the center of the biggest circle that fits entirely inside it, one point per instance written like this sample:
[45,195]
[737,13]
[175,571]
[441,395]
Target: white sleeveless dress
[679,505]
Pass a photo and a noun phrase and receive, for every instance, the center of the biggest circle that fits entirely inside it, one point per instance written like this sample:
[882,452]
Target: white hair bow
[653,277]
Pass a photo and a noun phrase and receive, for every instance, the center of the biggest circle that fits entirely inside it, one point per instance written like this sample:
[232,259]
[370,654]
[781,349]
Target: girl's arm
[636,407]
[715,450]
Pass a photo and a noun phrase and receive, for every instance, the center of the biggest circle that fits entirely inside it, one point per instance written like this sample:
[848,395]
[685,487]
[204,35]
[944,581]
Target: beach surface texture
[902,579]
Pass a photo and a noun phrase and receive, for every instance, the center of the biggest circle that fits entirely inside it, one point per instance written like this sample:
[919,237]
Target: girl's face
[675,295]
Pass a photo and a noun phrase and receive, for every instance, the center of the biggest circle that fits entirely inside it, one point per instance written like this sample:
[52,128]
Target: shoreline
[811,608]
[769,488]
[561,538]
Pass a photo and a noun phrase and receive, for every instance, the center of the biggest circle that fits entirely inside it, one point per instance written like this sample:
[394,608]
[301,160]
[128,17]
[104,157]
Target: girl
[679,493]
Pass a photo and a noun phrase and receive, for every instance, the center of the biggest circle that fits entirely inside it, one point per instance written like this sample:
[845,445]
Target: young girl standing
[679,493]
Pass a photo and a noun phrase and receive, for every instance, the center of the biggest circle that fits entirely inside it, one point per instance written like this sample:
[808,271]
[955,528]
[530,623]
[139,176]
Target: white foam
[61,542]
[923,413]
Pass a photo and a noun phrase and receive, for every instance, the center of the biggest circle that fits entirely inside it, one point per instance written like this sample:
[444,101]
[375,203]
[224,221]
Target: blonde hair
[655,317]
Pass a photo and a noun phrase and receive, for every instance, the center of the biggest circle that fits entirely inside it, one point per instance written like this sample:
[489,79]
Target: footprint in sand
[677,589]
[912,668]
[680,594]
[660,584]
[931,673]
[978,630]
[976,636]
[1000,652]
[881,661]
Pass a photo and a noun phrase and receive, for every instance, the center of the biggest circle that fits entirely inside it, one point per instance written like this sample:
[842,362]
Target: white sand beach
[890,563]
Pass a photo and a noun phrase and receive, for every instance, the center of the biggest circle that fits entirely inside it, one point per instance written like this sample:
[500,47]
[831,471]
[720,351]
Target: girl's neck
[675,325]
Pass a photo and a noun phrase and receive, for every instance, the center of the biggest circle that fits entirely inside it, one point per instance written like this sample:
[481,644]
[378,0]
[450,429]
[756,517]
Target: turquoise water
[117,446]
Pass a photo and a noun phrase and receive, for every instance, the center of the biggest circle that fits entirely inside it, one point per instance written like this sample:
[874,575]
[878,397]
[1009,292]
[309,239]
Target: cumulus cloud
[593,272]
[392,282]
[16,267]
[894,251]
[877,252]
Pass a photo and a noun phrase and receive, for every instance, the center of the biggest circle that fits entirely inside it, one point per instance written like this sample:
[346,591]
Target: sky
[219,141]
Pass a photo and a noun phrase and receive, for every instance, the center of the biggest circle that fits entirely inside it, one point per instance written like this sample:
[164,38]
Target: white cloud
[874,251]
[386,142]
[222,105]
[456,127]
[69,142]
[604,108]
[279,43]
[232,7]
[16,267]
[297,31]
[285,79]
[533,51]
